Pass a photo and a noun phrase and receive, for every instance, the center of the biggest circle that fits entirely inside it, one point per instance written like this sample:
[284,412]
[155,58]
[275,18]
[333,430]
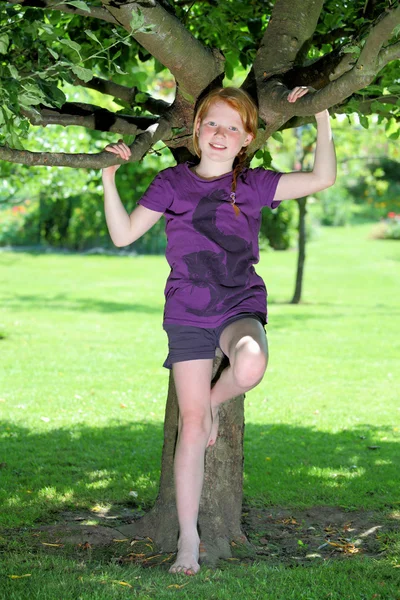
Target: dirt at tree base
[278,535]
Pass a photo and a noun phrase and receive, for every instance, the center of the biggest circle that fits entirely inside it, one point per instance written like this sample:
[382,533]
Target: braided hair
[242,102]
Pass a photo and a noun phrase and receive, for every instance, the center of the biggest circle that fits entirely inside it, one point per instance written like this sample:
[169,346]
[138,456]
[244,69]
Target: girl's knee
[194,426]
[250,364]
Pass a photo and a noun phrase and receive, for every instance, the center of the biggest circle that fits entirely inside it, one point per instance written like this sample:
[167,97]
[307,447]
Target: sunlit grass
[82,401]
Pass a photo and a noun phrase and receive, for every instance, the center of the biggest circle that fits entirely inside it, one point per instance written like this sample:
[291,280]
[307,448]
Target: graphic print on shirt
[223,273]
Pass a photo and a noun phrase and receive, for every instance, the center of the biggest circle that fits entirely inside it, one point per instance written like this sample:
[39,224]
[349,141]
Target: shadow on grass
[64,302]
[82,466]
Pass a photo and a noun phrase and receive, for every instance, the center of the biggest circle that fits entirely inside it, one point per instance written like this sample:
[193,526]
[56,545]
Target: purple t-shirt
[211,251]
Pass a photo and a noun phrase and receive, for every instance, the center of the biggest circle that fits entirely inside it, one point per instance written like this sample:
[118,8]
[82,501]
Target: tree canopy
[347,51]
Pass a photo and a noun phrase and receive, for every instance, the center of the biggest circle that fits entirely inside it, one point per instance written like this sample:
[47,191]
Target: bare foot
[214,427]
[187,559]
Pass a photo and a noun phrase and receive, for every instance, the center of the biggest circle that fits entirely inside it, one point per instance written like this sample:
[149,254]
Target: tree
[347,51]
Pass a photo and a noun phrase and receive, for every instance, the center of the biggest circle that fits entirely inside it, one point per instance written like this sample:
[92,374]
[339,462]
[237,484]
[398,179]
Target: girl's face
[221,133]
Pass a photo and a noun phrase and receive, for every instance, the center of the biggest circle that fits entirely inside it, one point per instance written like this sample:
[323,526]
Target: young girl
[214,298]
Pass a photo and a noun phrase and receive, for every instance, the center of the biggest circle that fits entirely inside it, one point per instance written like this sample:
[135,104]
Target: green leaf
[158,66]
[13,140]
[49,29]
[13,71]
[259,154]
[84,74]
[364,121]
[71,44]
[54,54]
[93,36]
[54,96]
[395,135]
[178,130]
[352,50]
[140,97]
[396,31]
[31,95]
[277,136]
[267,159]
[119,70]
[4,41]
[137,20]
[79,4]
[229,71]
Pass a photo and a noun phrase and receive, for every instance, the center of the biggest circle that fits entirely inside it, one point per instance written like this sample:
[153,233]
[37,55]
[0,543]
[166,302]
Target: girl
[214,298]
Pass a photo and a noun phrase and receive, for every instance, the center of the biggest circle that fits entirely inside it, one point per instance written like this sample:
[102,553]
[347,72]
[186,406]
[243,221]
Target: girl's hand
[297,93]
[300,91]
[120,149]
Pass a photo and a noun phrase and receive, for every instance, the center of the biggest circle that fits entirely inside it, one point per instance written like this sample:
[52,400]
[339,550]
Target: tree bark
[301,258]
[221,501]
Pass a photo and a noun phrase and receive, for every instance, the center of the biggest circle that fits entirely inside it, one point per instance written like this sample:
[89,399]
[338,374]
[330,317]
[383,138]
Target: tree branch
[378,35]
[126,94]
[193,66]
[89,116]
[96,12]
[100,160]
[292,23]
[273,93]
[389,53]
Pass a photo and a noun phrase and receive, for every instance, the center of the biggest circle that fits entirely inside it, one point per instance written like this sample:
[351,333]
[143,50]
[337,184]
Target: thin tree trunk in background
[302,204]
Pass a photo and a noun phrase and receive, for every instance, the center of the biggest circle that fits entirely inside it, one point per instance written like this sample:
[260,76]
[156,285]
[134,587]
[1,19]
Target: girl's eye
[212,123]
[234,128]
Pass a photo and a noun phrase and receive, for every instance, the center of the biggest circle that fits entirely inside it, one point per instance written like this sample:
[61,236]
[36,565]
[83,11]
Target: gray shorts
[186,342]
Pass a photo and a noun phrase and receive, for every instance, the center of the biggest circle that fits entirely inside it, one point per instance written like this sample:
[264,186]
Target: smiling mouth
[218,146]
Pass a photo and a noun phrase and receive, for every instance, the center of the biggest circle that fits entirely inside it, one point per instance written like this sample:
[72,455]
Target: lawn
[82,399]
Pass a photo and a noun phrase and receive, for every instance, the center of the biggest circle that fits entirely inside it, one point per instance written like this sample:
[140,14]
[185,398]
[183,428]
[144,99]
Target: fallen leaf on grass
[20,576]
[330,530]
[121,583]
[85,546]
[288,521]
[53,545]
[154,556]
[347,548]
[125,540]
[176,586]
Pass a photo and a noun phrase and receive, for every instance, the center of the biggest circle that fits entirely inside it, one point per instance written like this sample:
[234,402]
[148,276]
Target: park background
[82,389]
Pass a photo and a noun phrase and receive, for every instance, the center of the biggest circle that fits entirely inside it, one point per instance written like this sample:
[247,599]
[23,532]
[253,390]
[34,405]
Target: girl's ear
[248,139]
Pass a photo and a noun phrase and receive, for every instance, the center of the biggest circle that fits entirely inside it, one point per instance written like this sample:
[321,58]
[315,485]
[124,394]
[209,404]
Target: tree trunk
[221,500]
[302,204]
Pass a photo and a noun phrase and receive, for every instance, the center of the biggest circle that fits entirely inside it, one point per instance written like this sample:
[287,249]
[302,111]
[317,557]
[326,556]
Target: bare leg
[245,344]
[192,382]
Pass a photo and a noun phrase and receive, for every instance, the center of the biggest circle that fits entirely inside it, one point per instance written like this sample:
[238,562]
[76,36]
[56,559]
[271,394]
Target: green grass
[82,399]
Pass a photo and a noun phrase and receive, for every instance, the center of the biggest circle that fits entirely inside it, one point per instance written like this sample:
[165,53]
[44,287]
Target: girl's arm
[323,175]
[124,228]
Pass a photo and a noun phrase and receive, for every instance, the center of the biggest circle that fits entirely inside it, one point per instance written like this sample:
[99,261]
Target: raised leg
[192,383]
[245,344]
